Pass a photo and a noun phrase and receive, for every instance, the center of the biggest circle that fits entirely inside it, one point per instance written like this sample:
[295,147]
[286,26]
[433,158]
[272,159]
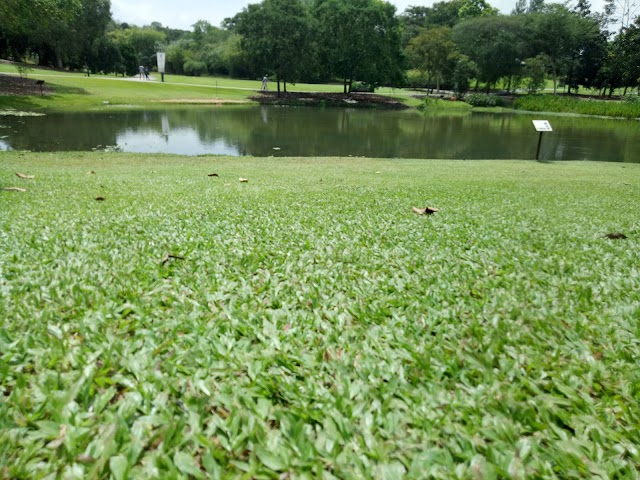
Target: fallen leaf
[213,175]
[168,256]
[92,172]
[85,459]
[53,444]
[425,211]
[100,199]
[616,236]
[243,180]
[15,189]
[27,177]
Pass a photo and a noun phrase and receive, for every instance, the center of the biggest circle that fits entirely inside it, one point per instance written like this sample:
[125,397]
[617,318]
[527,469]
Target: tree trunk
[477,85]
[509,83]
[624,94]
[278,80]
[350,83]
[284,84]
[555,78]
[345,86]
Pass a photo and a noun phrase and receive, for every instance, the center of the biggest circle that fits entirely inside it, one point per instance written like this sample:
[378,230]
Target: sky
[184,13]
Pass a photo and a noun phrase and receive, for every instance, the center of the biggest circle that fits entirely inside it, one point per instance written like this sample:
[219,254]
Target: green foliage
[416,78]
[464,70]
[553,103]
[359,39]
[310,325]
[362,87]
[194,68]
[534,72]
[484,100]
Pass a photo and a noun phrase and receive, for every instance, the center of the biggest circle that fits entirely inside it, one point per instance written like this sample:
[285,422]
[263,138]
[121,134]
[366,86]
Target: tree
[360,40]
[464,70]
[476,8]
[496,44]
[573,44]
[433,51]
[274,35]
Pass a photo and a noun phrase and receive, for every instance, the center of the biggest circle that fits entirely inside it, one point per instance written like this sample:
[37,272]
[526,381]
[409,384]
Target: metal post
[539,143]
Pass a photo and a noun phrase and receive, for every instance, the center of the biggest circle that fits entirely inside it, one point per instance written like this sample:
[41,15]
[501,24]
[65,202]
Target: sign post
[541,126]
[161,58]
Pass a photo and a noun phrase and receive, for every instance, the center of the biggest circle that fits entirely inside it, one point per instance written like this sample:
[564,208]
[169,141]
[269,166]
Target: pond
[308,131]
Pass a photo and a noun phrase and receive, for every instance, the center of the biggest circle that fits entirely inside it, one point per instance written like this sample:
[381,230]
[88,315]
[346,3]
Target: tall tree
[496,44]
[433,51]
[274,35]
[360,40]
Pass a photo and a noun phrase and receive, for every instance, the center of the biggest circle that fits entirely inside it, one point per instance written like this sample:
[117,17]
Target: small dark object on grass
[100,199]
[213,175]
[92,172]
[425,211]
[616,236]
[167,256]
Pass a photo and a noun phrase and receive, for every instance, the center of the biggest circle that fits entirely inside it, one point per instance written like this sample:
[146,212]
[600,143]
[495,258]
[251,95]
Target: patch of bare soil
[200,101]
[12,85]
[351,100]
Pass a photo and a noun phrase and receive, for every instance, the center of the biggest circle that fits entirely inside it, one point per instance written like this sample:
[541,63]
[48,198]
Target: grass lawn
[308,322]
[75,91]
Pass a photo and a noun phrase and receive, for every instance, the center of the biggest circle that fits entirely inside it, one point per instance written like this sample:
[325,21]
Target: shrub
[556,103]
[417,79]
[362,87]
[194,68]
[484,100]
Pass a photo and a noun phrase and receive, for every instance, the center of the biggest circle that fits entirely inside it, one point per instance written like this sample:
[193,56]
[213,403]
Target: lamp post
[161,57]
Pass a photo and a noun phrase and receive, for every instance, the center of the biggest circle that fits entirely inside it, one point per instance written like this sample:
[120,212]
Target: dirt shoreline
[350,100]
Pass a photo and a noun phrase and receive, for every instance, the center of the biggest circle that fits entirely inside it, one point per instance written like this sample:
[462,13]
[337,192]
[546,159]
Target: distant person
[141,70]
[265,83]
[146,73]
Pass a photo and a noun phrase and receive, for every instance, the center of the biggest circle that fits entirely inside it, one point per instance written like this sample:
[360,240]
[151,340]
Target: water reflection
[288,131]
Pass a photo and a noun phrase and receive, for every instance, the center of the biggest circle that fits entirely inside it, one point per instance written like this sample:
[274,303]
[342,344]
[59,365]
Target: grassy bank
[307,321]
[629,108]
[75,91]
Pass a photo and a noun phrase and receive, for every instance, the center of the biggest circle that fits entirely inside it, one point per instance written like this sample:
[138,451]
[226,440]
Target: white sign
[542,125]
[161,58]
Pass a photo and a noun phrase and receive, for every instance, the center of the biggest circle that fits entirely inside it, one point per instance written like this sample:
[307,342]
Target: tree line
[457,44]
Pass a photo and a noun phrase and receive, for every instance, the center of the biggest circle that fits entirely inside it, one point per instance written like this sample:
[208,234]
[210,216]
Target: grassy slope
[314,323]
[75,91]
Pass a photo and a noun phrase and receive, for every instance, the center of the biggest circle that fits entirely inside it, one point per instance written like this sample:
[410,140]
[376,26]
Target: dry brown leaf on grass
[425,211]
[616,236]
[213,175]
[15,189]
[100,199]
[92,172]
[26,177]
[168,256]
[243,180]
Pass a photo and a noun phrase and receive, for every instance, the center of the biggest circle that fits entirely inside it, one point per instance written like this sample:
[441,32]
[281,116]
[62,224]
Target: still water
[305,131]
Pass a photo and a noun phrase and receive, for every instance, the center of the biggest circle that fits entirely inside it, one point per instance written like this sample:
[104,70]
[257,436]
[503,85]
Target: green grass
[75,91]
[311,323]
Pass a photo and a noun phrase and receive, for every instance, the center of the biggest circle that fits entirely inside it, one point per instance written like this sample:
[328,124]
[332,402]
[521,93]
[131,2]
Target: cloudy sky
[184,13]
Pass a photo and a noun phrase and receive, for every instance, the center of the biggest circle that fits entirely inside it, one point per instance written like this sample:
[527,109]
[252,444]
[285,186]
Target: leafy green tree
[463,71]
[433,51]
[476,8]
[495,44]
[275,33]
[359,40]
[573,44]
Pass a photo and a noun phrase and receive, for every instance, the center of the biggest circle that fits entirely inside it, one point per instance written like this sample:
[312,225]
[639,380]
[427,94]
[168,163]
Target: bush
[557,103]
[194,68]
[417,79]
[484,100]
[362,87]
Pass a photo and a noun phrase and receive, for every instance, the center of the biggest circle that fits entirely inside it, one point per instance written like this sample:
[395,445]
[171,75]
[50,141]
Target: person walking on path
[146,73]
[141,70]
[265,83]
